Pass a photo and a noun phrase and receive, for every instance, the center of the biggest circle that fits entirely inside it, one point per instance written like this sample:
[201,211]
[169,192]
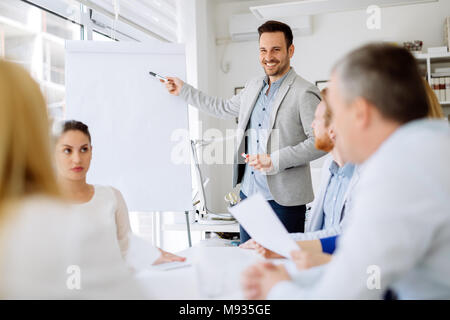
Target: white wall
[198,38]
[197,31]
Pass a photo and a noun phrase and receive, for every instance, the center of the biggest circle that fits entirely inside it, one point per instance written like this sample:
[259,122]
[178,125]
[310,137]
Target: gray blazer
[290,142]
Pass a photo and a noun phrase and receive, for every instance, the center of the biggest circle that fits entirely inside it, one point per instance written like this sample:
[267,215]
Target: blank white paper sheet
[136,125]
[262,224]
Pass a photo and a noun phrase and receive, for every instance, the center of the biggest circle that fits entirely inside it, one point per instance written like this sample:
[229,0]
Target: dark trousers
[293,218]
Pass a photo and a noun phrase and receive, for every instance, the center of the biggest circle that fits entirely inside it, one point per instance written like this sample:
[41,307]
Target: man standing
[274,113]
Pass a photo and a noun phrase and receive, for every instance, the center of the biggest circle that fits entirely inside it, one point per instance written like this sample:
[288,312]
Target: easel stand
[201,182]
[188,228]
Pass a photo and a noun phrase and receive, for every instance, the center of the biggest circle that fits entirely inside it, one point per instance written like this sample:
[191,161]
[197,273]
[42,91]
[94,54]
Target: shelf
[439,56]
[433,57]
[444,102]
[232,227]
[421,56]
[21,62]
[15,29]
[55,39]
[53,85]
[425,55]
[55,105]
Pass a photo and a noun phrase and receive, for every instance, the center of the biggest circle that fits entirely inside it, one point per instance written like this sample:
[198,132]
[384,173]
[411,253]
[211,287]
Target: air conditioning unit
[244,27]
[313,7]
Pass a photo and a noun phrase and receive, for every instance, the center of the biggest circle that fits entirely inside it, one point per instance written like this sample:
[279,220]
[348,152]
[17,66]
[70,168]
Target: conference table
[214,272]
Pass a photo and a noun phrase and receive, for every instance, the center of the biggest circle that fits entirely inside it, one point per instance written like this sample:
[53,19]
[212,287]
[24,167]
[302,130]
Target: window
[97,36]
[55,30]
[157,17]
[33,34]
[34,38]
[105,28]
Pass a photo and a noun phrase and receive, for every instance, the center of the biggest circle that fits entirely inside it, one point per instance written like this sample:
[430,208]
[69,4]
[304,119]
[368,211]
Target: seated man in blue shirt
[328,210]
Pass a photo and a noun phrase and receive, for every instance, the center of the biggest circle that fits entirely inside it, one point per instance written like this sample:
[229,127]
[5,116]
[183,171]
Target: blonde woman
[42,242]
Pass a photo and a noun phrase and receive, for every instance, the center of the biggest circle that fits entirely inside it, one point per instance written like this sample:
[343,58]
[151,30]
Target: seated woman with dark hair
[73,154]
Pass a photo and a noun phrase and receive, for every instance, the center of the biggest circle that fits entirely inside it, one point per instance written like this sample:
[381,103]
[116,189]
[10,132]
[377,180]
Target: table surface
[227,263]
[229,227]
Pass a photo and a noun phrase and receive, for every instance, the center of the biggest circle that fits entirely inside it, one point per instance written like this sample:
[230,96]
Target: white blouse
[50,250]
[108,211]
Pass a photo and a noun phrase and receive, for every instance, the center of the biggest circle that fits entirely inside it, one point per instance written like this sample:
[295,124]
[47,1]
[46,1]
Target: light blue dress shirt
[335,194]
[254,181]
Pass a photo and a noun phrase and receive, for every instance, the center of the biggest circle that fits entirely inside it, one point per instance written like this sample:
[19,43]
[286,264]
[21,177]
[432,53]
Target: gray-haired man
[398,237]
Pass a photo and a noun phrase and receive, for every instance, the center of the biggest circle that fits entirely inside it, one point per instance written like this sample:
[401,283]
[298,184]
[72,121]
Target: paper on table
[261,223]
[171,265]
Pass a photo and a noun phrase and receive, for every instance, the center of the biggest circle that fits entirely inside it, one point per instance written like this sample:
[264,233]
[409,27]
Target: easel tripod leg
[188,228]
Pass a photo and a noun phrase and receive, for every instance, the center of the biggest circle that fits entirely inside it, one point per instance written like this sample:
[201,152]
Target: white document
[262,224]
[171,265]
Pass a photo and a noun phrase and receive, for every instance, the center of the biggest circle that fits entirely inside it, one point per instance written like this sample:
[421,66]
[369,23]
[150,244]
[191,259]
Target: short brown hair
[388,77]
[277,26]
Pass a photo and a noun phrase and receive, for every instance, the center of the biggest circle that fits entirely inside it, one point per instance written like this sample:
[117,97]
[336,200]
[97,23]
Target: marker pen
[157,76]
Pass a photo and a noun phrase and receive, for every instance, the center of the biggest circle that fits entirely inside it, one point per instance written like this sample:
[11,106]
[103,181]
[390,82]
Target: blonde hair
[25,148]
[434,107]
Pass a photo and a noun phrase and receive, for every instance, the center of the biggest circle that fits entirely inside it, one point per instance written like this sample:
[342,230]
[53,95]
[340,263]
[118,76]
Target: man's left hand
[259,279]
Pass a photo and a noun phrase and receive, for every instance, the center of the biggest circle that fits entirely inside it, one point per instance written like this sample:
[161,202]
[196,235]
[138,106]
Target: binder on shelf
[442,89]
[442,70]
[435,86]
[438,49]
[447,89]
[440,74]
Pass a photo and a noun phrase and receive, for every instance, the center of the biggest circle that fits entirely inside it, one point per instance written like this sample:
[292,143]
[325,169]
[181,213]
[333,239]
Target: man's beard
[280,70]
[324,143]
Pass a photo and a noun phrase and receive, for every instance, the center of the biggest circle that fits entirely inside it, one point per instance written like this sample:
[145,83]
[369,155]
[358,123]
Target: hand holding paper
[261,223]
